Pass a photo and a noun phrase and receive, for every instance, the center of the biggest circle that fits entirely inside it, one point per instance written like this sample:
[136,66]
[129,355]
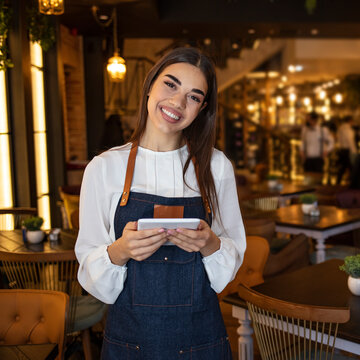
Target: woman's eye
[169,84]
[195,98]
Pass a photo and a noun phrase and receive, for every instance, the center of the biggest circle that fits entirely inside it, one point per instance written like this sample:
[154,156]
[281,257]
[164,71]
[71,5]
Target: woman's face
[175,99]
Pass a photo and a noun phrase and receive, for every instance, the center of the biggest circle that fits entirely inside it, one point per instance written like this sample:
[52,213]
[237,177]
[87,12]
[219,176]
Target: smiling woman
[169,170]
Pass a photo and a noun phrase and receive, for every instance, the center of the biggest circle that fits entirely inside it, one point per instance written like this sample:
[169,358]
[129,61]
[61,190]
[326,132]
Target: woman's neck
[161,144]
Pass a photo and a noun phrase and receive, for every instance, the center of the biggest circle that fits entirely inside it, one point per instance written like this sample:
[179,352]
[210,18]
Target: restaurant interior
[71,75]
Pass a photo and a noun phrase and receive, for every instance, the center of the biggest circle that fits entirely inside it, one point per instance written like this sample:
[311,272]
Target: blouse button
[165,258]
[181,352]
[17,318]
[137,347]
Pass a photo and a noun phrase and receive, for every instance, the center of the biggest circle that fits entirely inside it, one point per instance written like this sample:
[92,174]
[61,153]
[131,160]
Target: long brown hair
[201,134]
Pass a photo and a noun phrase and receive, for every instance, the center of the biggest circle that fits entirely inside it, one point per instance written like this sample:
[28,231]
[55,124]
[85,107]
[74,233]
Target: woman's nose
[178,100]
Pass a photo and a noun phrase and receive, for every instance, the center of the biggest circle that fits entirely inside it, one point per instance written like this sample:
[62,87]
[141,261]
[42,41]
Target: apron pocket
[115,349]
[164,282]
[217,350]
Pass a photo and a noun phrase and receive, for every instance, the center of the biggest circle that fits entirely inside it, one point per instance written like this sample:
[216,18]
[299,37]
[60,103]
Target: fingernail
[161,230]
[171,232]
[179,230]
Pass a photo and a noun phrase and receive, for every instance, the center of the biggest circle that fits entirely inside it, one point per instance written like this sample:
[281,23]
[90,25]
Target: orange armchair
[33,317]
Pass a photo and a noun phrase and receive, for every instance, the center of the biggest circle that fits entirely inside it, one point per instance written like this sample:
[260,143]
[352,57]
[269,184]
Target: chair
[12,218]
[33,317]
[282,328]
[285,254]
[69,206]
[250,273]
[55,271]
[251,270]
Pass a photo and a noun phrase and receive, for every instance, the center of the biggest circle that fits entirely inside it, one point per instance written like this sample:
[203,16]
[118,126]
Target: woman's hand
[202,239]
[134,244]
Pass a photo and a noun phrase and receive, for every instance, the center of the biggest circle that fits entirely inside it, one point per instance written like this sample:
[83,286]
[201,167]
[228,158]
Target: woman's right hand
[136,244]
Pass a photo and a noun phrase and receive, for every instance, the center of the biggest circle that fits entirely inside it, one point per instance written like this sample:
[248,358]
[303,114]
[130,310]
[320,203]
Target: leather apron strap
[130,173]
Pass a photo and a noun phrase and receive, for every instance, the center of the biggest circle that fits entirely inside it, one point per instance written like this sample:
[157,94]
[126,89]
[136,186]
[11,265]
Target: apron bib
[167,309]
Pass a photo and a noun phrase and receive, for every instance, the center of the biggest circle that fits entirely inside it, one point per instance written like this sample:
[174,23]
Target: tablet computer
[168,223]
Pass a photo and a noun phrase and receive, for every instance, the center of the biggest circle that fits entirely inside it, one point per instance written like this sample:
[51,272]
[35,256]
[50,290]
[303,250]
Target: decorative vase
[272,184]
[35,237]
[354,285]
[307,208]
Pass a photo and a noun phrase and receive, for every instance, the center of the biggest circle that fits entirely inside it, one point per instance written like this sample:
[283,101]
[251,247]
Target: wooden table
[287,190]
[29,351]
[332,221]
[12,240]
[321,284]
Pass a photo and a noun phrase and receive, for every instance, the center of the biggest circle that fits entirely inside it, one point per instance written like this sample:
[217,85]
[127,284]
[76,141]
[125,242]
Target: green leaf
[310,6]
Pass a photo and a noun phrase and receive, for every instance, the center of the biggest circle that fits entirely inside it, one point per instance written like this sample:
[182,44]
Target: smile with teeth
[168,113]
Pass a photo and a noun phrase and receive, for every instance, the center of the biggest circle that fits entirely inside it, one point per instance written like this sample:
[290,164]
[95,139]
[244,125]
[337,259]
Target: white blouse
[158,173]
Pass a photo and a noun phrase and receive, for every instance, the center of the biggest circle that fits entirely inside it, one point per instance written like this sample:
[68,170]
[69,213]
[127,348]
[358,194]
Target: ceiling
[235,19]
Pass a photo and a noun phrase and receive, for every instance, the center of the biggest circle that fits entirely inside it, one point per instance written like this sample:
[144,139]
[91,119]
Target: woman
[164,303]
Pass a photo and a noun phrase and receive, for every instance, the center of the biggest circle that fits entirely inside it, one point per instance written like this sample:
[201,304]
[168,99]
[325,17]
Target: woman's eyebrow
[172,77]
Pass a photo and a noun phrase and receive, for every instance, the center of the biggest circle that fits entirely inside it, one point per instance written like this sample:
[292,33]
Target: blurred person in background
[347,147]
[316,143]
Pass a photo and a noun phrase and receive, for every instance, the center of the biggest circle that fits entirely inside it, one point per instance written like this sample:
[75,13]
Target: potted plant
[272,180]
[308,203]
[352,267]
[33,224]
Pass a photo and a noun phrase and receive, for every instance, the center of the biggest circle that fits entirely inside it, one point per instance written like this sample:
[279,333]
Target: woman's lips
[170,114]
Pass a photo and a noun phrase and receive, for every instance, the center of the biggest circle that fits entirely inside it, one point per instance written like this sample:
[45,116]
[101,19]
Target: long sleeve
[97,274]
[222,266]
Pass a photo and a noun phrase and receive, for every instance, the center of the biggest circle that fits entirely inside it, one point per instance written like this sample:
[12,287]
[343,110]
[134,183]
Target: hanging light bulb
[116,66]
[51,7]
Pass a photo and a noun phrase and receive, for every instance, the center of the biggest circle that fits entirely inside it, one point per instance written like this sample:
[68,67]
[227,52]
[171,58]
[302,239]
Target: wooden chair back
[12,218]
[40,317]
[259,203]
[45,271]
[286,330]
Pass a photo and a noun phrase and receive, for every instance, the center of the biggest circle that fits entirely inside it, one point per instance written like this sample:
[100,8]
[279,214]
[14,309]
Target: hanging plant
[310,6]
[5,19]
[351,86]
[40,28]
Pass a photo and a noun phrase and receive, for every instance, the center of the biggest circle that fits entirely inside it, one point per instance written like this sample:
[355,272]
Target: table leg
[245,331]
[320,250]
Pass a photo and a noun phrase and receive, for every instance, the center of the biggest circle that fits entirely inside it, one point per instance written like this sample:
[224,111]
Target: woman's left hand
[202,239]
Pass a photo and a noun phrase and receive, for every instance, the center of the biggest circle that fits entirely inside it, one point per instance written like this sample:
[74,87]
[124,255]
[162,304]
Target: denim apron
[167,309]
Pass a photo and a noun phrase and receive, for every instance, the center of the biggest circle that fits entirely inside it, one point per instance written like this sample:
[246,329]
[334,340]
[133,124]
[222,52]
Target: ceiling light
[291,68]
[292,97]
[338,98]
[306,101]
[322,94]
[279,100]
[116,67]
[51,7]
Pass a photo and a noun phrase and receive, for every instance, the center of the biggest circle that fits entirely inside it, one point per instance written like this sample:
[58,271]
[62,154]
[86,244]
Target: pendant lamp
[51,7]
[116,66]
